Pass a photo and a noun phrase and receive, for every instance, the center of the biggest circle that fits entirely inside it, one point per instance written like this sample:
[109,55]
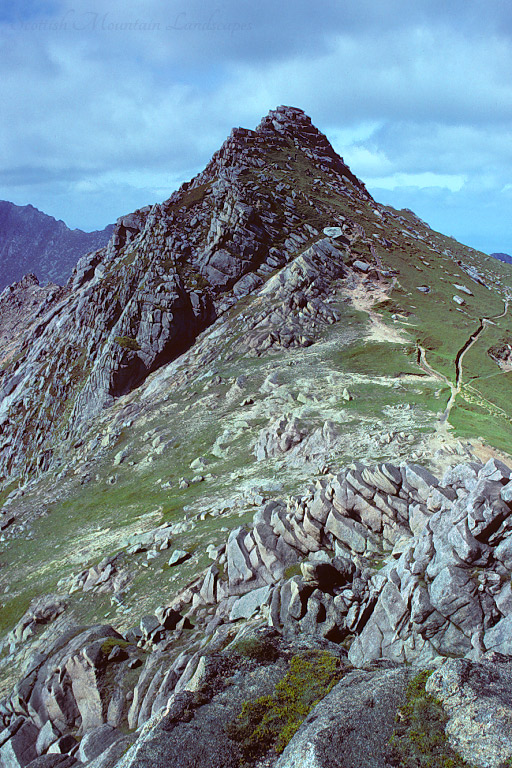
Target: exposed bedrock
[387,561]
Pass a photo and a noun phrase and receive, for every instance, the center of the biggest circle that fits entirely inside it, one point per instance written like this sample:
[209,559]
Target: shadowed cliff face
[20,305]
[166,274]
[240,232]
[31,241]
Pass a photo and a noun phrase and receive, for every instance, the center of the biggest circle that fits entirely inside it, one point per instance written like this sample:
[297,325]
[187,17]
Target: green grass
[14,607]
[471,420]
[7,489]
[436,324]
[111,643]
[439,325]
[419,739]
[126,342]
[269,722]
[91,521]
[375,358]
[481,374]
[260,649]
[292,570]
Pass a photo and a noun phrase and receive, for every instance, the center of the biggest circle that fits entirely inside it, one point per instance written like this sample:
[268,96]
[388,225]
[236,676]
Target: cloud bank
[107,107]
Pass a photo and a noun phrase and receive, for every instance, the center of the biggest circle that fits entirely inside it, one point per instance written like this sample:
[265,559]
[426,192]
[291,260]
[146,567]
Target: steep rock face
[167,273]
[31,241]
[444,590]
[20,305]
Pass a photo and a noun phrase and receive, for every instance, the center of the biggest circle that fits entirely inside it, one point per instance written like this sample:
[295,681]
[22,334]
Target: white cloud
[105,103]
[418,180]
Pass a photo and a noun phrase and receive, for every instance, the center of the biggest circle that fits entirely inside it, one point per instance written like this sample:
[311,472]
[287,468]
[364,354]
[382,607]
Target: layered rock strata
[167,273]
[388,561]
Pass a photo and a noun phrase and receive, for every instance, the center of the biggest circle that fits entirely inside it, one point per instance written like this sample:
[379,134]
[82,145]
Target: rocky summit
[257,483]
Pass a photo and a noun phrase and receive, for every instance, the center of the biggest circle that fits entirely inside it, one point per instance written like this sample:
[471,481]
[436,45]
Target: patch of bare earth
[363,298]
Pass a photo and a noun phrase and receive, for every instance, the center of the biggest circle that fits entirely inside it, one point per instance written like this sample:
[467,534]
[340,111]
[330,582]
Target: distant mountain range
[31,241]
[503,257]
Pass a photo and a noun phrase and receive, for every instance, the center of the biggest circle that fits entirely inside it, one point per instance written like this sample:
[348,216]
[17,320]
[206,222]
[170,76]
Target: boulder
[18,743]
[149,625]
[352,725]
[208,590]
[506,492]
[238,563]
[279,437]
[112,754]
[250,603]
[333,232]
[97,741]
[53,761]
[63,745]
[87,691]
[477,697]
[47,736]
[178,556]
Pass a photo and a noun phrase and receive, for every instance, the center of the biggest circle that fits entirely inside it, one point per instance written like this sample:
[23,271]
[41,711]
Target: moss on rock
[419,739]
[269,722]
[127,343]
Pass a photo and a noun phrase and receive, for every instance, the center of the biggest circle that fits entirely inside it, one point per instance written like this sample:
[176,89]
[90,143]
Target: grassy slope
[90,521]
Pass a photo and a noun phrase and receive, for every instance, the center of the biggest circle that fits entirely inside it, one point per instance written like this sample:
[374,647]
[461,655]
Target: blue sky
[110,106]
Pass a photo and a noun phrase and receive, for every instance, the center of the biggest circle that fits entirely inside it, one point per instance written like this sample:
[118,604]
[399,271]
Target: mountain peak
[273,345]
[33,241]
[170,271]
[287,138]
[283,116]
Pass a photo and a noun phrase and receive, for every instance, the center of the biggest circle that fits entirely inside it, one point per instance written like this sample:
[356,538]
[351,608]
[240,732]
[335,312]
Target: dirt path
[363,299]
[457,386]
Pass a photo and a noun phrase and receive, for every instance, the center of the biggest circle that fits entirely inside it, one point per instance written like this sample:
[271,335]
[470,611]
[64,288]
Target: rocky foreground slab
[375,566]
